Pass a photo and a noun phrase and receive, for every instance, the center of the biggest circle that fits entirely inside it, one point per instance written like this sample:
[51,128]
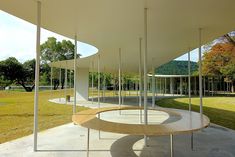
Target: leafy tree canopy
[53,50]
[12,71]
[219,60]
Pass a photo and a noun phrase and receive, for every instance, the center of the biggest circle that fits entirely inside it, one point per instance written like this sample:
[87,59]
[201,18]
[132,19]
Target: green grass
[220,110]
[16,113]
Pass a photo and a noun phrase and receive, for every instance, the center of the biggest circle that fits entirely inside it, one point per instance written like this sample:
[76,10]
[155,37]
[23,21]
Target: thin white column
[104,85]
[160,85]
[119,79]
[171,85]
[200,73]
[145,73]
[136,89]
[98,81]
[181,86]
[37,68]
[114,83]
[60,78]
[60,84]
[66,83]
[204,85]
[140,78]
[51,80]
[156,86]
[92,82]
[70,79]
[165,85]
[75,75]
[153,86]
[212,86]
[98,65]
[195,85]
[123,89]
[208,84]
[189,80]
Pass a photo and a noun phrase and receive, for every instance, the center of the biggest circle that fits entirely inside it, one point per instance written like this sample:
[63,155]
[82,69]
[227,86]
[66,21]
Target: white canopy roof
[113,24]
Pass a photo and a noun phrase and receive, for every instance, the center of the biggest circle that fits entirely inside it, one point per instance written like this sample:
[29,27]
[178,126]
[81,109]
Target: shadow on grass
[218,116]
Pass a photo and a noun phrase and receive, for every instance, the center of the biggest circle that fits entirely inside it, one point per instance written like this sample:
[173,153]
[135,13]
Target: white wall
[82,83]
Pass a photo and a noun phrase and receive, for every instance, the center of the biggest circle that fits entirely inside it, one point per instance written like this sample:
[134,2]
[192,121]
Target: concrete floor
[70,140]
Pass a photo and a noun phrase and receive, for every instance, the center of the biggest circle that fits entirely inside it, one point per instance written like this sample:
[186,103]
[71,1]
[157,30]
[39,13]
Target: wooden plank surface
[189,122]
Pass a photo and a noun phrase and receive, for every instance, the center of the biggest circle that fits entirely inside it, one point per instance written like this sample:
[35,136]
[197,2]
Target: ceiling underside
[113,24]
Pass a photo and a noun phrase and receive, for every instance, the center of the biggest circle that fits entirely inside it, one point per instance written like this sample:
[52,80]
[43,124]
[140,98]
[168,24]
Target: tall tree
[53,50]
[220,60]
[15,72]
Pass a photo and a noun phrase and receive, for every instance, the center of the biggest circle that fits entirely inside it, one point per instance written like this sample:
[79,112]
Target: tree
[15,72]
[220,60]
[3,82]
[51,51]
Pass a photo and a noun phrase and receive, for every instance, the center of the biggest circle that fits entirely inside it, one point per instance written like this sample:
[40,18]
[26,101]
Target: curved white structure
[113,24]
[168,29]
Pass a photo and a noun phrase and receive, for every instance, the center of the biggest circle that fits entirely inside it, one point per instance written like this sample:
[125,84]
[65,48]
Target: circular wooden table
[187,123]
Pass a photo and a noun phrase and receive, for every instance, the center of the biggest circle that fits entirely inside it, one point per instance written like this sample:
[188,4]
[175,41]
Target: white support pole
[195,85]
[60,78]
[92,82]
[189,80]
[60,84]
[212,86]
[114,84]
[136,89]
[181,86]
[123,90]
[104,85]
[153,86]
[200,73]
[204,85]
[98,62]
[156,86]
[70,79]
[171,85]
[160,91]
[37,68]
[145,72]
[165,86]
[172,145]
[75,75]
[119,79]
[66,83]
[140,78]
[51,80]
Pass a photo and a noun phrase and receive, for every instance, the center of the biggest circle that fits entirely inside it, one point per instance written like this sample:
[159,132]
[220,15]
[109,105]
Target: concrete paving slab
[71,140]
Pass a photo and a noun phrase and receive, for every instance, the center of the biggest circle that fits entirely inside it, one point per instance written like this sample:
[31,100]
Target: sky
[17,38]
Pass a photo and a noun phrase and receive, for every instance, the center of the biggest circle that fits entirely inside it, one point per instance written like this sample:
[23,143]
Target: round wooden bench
[187,123]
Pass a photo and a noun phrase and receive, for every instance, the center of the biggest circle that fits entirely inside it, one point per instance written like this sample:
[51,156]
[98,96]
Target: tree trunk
[56,84]
[27,89]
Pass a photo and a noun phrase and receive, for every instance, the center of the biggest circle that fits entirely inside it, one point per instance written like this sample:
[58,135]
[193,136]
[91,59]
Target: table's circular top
[189,122]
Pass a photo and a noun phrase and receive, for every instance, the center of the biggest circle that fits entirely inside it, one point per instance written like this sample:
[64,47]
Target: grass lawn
[16,113]
[220,110]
